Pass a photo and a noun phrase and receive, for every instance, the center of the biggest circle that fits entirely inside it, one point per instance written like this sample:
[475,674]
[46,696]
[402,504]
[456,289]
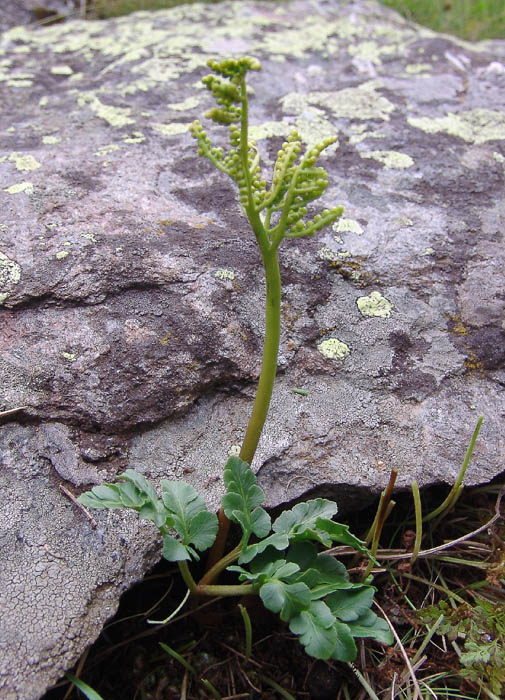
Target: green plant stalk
[217,590]
[270,353]
[221,590]
[211,574]
[457,488]
[187,576]
[265,383]
[386,505]
[419,521]
[248,631]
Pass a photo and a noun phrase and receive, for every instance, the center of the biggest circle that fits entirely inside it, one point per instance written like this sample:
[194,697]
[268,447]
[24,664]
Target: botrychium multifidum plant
[280,561]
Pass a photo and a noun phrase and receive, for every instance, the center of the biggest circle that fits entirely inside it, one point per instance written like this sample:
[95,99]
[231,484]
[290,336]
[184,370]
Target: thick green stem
[186,575]
[217,590]
[212,573]
[270,352]
[265,384]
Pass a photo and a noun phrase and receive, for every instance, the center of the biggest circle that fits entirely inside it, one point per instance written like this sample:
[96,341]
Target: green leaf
[316,629]
[183,502]
[189,516]
[371,625]
[349,605]
[155,511]
[302,552]
[103,496]
[303,517]
[131,497]
[182,499]
[297,524]
[140,481]
[287,599]
[265,568]
[345,647]
[340,533]
[133,491]
[173,550]
[203,530]
[277,541]
[242,498]
[325,576]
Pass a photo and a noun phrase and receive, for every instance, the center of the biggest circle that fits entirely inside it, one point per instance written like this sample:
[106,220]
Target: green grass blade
[175,655]
[83,687]
[207,684]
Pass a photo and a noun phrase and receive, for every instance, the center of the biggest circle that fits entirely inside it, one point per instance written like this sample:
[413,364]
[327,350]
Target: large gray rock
[131,325]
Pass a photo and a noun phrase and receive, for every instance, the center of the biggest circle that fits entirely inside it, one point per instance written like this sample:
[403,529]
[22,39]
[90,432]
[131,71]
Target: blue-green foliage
[309,590]
[181,510]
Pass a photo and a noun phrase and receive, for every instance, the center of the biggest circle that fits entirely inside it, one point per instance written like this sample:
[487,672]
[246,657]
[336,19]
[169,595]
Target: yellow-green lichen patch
[297,42]
[189,103]
[347,226]
[61,254]
[108,148]
[24,162]
[334,349]
[315,129]
[269,129]
[224,274]
[136,137]
[371,51]
[173,129]
[70,356]
[115,116]
[374,305]
[403,221]
[475,126]
[10,273]
[48,140]
[360,132]
[61,70]
[19,82]
[391,160]
[360,103]
[43,101]
[327,254]
[417,68]
[498,157]
[428,251]
[26,187]
[89,236]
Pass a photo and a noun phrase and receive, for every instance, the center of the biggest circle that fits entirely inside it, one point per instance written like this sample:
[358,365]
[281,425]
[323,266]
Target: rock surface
[131,290]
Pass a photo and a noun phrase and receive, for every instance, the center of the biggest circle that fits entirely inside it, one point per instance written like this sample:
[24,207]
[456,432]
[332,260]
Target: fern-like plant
[280,561]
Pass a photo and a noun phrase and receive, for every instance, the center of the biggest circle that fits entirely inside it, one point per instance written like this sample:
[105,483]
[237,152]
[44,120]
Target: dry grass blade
[417,693]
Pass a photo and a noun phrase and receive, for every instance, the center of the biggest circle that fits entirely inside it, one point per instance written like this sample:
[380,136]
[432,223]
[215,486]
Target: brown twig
[74,500]
[417,689]
[11,411]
